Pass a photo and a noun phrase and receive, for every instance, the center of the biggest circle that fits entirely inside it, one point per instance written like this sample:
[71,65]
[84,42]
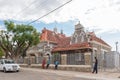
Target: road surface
[39,74]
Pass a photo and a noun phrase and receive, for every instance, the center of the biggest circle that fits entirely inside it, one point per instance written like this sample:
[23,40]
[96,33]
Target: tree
[1,53]
[17,38]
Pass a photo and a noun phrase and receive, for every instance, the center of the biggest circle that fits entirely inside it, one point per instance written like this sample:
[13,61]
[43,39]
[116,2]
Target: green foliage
[18,38]
[1,53]
[9,25]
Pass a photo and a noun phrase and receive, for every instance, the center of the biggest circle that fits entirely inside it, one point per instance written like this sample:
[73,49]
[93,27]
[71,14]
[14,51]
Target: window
[82,36]
[9,61]
[76,37]
[79,57]
[103,54]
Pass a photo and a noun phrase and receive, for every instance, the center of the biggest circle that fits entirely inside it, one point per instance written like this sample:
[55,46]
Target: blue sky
[100,16]
[67,27]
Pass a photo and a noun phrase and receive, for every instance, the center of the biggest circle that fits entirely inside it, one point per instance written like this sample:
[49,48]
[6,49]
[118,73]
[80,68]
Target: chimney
[61,31]
[55,30]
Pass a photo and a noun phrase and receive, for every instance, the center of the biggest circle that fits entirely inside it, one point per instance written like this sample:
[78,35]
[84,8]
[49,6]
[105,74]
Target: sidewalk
[102,75]
[89,75]
[84,75]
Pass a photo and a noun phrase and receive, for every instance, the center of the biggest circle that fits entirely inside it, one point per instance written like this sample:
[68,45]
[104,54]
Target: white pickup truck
[8,65]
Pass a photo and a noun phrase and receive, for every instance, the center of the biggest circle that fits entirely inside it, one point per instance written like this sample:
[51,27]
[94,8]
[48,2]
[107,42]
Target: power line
[42,4]
[34,2]
[50,12]
[25,8]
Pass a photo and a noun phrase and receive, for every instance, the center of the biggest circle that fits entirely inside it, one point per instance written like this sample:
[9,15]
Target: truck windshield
[9,61]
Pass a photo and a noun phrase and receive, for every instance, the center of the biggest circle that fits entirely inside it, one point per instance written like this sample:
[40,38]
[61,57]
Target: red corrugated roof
[63,42]
[72,47]
[95,38]
[58,38]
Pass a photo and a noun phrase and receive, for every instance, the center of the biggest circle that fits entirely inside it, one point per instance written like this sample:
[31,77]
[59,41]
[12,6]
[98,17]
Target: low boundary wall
[80,68]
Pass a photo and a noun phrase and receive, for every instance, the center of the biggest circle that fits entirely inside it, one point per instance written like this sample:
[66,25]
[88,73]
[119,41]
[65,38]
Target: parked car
[9,65]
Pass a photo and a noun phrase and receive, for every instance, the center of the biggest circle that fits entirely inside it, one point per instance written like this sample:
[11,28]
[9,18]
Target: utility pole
[116,43]
[117,63]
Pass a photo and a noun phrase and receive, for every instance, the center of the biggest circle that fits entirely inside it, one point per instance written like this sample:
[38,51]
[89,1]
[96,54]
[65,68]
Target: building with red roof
[78,49]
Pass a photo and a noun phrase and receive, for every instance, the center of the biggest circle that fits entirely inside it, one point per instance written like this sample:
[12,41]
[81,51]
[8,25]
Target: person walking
[56,64]
[48,63]
[95,68]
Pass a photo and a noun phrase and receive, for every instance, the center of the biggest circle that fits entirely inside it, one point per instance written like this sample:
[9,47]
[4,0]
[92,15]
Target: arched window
[82,37]
[76,38]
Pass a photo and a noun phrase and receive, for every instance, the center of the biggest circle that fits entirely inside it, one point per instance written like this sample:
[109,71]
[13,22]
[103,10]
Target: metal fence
[37,60]
[110,62]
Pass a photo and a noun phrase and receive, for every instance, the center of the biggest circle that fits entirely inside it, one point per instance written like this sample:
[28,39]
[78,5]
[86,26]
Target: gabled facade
[79,35]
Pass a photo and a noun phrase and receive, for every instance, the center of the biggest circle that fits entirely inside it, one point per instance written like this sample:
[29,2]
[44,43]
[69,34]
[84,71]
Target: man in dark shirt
[95,69]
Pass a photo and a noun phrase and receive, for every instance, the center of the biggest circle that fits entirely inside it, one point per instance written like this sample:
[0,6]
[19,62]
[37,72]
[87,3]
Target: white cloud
[26,10]
[100,15]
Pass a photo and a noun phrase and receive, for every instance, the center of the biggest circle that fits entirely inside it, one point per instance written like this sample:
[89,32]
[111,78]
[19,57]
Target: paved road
[39,74]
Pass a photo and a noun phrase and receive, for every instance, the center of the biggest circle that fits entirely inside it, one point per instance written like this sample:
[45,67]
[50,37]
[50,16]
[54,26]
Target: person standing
[56,64]
[43,63]
[95,68]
